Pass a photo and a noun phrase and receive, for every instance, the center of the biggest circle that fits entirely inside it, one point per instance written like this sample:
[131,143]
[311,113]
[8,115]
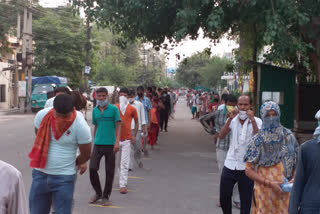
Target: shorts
[193,109]
[199,108]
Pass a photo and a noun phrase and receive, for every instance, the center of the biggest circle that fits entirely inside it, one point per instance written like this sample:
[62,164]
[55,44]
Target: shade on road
[181,175]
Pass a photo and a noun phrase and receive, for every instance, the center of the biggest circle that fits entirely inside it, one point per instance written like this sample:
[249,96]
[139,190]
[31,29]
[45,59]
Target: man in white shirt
[57,91]
[242,125]
[13,198]
[136,151]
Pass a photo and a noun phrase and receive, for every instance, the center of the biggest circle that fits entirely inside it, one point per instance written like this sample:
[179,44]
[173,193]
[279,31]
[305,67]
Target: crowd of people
[263,169]
[260,169]
[62,148]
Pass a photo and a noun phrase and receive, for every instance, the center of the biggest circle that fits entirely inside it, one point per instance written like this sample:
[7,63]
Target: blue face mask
[319,123]
[102,103]
[271,122]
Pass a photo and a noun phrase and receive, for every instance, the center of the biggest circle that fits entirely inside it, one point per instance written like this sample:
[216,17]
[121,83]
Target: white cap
[318,115]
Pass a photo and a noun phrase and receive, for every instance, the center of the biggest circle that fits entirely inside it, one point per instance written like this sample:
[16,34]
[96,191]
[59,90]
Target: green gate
[278,84]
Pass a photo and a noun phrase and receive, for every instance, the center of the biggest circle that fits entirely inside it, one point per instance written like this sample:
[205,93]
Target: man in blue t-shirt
[107,128]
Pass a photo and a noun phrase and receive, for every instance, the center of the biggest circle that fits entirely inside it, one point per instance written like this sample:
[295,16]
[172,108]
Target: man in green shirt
[107,128]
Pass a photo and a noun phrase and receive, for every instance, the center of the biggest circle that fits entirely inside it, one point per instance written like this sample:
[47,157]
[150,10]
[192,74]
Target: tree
[202,69]
[290,28]
[59,45]
[8,21]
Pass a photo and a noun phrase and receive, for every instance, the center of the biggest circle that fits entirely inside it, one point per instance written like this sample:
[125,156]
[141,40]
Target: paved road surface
[181,175]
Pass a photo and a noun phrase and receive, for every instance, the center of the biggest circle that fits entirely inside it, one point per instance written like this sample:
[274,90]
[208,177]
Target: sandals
[94,199]
[105,202]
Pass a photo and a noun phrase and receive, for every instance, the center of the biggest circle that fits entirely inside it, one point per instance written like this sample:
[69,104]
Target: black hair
[131,92]
[102,90]
[64,90]
[225,97]
[140,88]
[124,90]
[149,89]
[232,98]
[63,103]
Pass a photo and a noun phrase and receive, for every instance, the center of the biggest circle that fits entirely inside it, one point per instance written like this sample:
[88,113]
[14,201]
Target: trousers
[98,152]
[123,162]
[221,157]
[228,179]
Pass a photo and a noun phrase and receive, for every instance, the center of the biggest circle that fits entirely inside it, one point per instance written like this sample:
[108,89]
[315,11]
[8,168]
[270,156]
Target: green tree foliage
[8,21]
[202,69]
[59,45]
[290,28]
[124,64]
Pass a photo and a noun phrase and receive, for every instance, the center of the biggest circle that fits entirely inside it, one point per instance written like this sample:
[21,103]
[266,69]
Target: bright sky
[185,48]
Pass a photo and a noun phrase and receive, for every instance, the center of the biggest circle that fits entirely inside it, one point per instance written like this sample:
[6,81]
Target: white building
[6,95]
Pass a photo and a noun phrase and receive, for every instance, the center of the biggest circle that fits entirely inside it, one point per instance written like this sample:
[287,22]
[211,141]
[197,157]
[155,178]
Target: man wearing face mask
[222,145]
[107,127]
[305,192]
[147,107]
[242,126]
[127,114]
[136,152]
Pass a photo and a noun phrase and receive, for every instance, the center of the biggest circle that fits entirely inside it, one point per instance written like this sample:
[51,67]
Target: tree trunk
[255,70]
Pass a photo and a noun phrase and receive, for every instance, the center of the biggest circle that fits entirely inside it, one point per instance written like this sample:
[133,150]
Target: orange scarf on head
[59,126]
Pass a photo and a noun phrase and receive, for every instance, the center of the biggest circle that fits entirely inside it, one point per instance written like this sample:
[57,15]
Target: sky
[185,48]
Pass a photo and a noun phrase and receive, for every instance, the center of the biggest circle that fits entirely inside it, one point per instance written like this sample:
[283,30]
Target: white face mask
[243,115]
[123,100]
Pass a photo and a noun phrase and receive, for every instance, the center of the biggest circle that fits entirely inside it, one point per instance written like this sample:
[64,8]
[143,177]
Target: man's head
[61,90]
[165,90]
[149,89]
[231,100]
[63,105]
[140,91]
[216,97]
[131,96]
[224,98]
[102,94]
[124,92]
[244,102]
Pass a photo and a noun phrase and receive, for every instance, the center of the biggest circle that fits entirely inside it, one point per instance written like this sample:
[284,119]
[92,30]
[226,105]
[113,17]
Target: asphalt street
[180,177]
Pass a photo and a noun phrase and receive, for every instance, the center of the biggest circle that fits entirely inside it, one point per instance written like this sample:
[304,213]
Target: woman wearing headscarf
[271,157]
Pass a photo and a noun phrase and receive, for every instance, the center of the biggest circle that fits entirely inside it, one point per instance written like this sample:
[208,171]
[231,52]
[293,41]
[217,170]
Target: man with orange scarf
[60,132]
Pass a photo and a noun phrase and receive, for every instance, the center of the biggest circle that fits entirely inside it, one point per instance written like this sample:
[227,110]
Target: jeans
[228,179]
[98,152]
[46,188]
[221,157]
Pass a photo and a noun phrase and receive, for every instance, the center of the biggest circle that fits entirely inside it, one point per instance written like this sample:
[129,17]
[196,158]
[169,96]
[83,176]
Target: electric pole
[27,51]
[88,48]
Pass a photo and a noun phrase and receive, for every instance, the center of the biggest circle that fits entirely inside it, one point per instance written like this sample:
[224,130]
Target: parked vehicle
[42,86]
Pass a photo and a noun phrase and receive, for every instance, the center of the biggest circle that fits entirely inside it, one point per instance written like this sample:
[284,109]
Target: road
[181,175]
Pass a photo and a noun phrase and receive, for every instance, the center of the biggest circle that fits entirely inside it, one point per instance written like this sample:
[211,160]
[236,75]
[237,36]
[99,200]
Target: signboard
[22,89]
[87,70]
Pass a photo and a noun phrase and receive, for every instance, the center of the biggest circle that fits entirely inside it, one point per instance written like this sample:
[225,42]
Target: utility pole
[88,48]
[27,51]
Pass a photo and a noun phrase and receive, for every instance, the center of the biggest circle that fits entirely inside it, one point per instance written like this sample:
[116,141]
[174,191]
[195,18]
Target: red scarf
[59,126]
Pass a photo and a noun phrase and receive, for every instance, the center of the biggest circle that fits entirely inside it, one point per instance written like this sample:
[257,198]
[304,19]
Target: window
[2,93]
[273,96]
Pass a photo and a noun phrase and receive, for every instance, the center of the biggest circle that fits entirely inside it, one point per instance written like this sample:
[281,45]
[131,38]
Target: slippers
[105,202]
[94,199]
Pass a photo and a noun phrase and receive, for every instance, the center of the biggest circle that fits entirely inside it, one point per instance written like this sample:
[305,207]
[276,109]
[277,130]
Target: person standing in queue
[107,128]
[242,126]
